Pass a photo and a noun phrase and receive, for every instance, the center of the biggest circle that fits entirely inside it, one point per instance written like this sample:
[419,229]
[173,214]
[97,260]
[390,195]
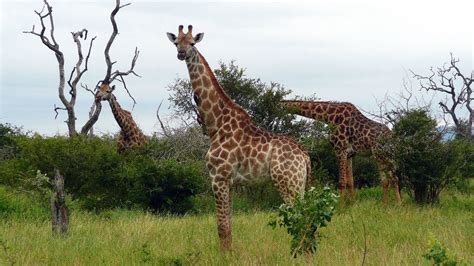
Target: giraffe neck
[321,111]
[210,98]
[123,117]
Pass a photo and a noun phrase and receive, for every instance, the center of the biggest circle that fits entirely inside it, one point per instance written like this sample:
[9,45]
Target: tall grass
[396,235]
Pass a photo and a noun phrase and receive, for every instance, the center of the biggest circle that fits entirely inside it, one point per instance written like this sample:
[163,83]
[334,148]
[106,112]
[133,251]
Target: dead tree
[76,74]
[111,76]
[457,89]
[59,213]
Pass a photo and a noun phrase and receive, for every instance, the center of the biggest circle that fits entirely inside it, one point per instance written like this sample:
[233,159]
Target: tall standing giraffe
[353,132]
[130,134]
[239,152]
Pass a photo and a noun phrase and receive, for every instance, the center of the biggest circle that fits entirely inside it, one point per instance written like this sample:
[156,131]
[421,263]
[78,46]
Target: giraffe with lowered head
[239,152]
[130,134]
[353,132]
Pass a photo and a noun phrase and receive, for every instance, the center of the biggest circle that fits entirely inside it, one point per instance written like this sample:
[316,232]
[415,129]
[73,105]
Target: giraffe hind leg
[343,179]
[289,183]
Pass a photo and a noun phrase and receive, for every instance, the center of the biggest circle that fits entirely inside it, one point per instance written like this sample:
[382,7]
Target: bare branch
[128,92]
[130,71]
[56,108]
[118,75]
[165,131]
[444,80]
[92,118]
[111,40]
[46,14]
[51,43]
[87,89]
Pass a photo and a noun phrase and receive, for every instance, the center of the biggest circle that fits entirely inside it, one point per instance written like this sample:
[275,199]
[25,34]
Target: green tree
[426,165]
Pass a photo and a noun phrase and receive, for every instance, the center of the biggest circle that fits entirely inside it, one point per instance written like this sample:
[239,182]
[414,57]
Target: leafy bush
[163,185]
[439,255]
[303,218]
[100,178]
[425,164]
[14,203]
[8,147]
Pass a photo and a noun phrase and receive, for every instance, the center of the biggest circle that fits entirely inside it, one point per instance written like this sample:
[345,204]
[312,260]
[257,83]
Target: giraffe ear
[171,36]
[198,37]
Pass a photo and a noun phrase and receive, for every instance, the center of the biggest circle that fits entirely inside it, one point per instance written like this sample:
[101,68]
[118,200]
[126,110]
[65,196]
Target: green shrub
[8,146]
[425,164]
[303,218]
[439,255]
[164,185]
[14,203]
[99,178]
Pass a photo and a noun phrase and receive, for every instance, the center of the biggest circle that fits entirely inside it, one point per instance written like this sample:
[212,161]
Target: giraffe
[353,132]
[130,134]
[239,152]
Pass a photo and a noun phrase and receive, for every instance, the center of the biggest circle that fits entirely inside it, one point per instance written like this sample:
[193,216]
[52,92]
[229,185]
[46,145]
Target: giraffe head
[185,42]
[104,92]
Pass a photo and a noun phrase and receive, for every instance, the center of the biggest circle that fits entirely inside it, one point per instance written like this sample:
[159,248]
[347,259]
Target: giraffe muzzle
[181,55]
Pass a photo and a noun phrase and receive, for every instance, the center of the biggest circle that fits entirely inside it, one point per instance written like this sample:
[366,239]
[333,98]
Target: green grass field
[396,235]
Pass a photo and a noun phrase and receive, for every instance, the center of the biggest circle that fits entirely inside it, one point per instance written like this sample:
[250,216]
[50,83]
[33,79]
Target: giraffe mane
[227,100]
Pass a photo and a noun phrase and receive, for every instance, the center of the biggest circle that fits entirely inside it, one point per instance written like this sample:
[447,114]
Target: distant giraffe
[130,134]
[240,152]
[354,132]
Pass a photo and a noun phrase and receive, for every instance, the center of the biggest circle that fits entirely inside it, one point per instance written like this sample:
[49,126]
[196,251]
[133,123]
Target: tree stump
[59,213]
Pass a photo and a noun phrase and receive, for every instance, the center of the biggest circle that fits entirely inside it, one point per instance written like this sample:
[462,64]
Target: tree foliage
[426,165]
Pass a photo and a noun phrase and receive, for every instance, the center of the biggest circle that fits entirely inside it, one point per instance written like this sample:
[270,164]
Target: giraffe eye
[192,44]
[175,44]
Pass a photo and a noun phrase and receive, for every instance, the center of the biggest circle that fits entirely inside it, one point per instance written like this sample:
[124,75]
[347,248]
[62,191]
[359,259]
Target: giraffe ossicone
[239,150]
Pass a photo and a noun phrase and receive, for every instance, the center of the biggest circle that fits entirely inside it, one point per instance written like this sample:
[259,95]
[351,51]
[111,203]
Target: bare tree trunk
[59,213]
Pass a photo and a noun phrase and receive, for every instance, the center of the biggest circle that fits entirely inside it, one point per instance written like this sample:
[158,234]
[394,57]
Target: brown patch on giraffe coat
[205,104]
[229,145]
[206,82]
[200,70]
[238,135]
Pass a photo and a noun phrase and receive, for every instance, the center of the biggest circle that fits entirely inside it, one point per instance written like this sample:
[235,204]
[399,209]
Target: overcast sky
[353,51]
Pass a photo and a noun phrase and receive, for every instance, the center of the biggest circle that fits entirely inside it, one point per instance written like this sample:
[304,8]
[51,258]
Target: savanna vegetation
[154,204]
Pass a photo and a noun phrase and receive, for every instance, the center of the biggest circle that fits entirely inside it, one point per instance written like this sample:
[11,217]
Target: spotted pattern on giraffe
[130,135]
[353,132]
[240,152]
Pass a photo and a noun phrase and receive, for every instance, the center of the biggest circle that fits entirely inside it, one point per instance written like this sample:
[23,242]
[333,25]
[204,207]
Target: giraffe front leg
[221,189]
[394,185]
[342,161]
